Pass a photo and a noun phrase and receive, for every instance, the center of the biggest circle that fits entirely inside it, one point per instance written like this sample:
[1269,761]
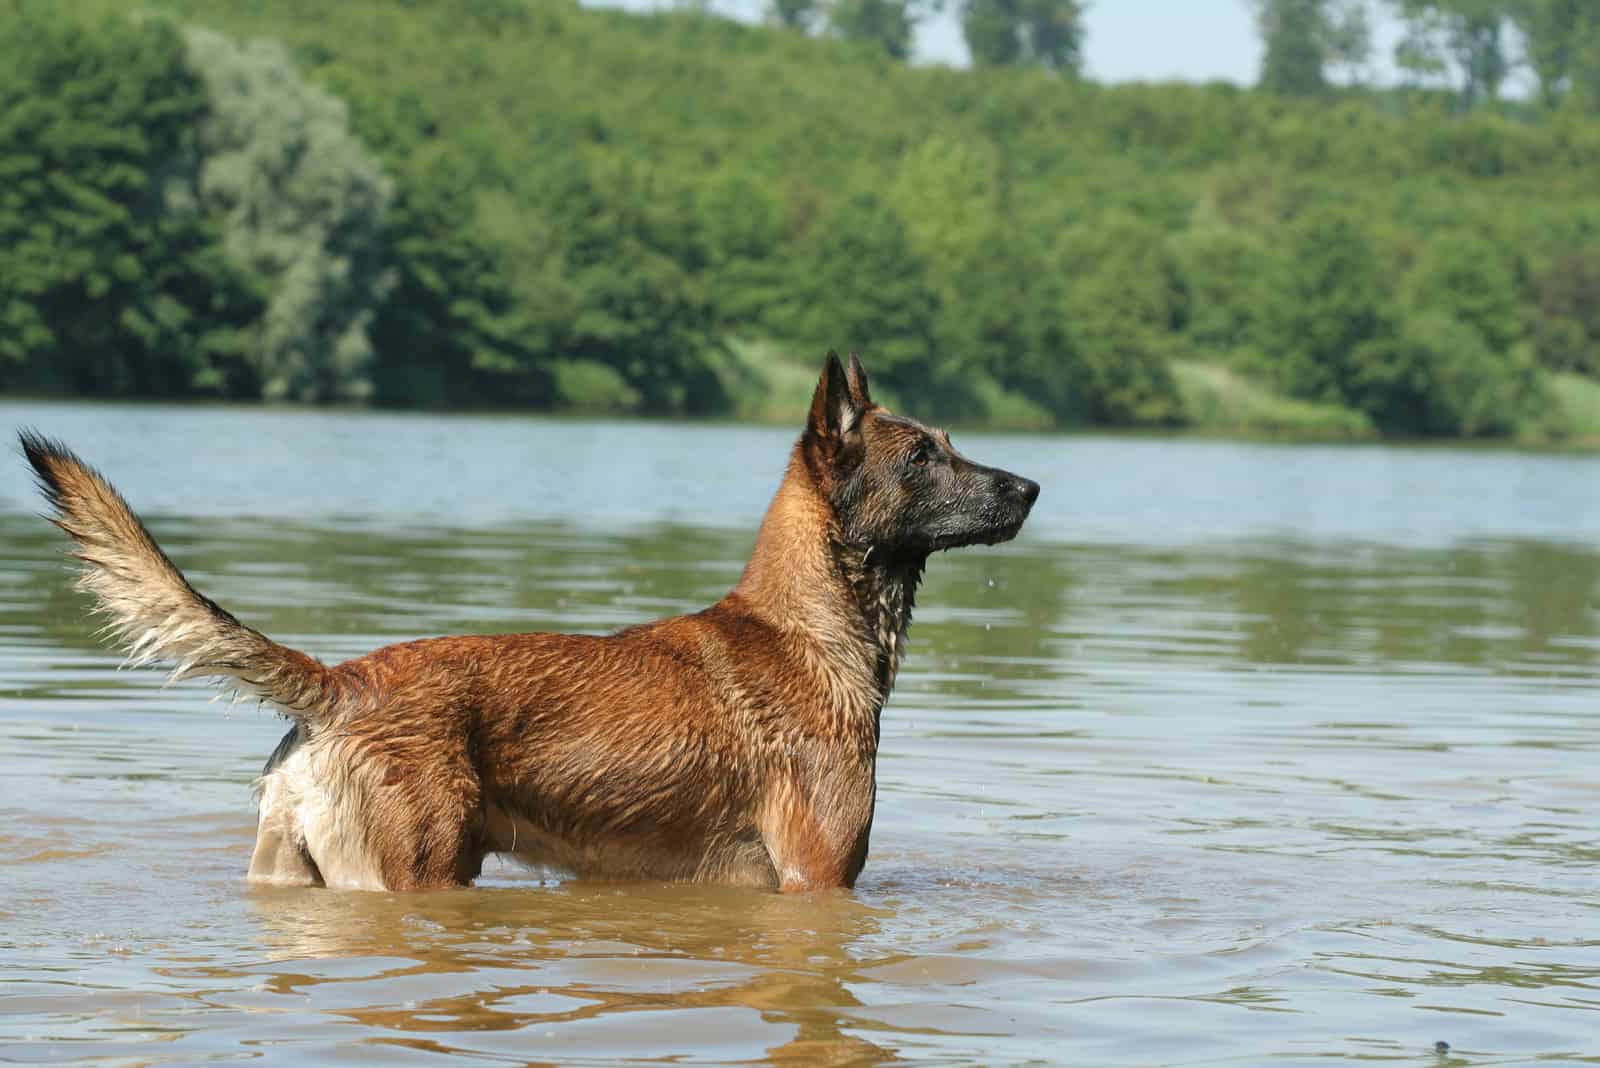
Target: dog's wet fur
[734,745]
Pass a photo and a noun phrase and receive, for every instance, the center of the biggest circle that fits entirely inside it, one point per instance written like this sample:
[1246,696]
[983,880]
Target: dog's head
[897,486]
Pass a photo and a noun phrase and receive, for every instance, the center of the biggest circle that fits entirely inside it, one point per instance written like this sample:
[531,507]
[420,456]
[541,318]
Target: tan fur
[736,745]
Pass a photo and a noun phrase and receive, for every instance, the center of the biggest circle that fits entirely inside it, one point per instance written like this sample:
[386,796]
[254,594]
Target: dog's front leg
[816,834]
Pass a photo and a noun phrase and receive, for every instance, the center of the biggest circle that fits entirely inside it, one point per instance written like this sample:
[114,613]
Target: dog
[735,745]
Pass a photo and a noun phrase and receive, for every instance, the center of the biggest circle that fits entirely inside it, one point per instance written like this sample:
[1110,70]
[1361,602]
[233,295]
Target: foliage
[737,199]
[1303,38]
[1437,375]
[1216,397]
[885,23]
[301,204]
[1323,304]
[101,290]
[1008,32]
[795,14]
[862,285]
[1568,325]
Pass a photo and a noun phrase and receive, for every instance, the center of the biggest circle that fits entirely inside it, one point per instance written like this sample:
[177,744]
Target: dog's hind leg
[280,857]
[427,825]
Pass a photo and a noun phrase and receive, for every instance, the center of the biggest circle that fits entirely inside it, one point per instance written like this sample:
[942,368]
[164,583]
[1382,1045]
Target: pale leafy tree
[302,204]
[795,14]
[1549,31]
[1048,33]
[1462,37]
[1561,45]
[1349,40]
[1303,39]
[887,23]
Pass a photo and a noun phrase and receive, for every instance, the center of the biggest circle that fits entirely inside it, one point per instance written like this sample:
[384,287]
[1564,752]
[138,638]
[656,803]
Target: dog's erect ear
[834,412]
[857,378]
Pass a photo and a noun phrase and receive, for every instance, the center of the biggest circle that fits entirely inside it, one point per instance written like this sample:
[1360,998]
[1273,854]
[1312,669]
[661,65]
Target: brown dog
[734,745]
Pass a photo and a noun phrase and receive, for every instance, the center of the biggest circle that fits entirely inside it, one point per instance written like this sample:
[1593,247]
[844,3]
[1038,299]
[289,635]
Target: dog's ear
[857,378]
[835,416]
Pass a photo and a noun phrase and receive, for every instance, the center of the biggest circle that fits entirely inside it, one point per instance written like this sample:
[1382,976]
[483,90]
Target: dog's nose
[1025,488]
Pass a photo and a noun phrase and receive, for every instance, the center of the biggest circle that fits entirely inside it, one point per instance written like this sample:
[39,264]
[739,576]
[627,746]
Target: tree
[795,14]
[302,204]
[1296,50]
[1550,36]
[1438,375]
[1302,38]
[1475,281]
[613,281]
[1113,307]
[102,289]
[1325,298]
[1048,33]
[446,334]
[1464,34]
[1567,326]
[860,283]
[887,23]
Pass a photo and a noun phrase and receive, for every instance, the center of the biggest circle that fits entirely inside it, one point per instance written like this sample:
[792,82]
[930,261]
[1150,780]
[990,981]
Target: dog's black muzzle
[992,509]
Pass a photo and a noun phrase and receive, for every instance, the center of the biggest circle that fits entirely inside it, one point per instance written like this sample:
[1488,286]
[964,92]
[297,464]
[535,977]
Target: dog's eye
[920,456]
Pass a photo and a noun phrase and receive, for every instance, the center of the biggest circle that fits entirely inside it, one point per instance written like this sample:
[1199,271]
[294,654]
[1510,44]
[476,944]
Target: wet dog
[738,744]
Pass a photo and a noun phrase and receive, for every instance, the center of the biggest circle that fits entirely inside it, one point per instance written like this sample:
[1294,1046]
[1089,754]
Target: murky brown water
[1240,755]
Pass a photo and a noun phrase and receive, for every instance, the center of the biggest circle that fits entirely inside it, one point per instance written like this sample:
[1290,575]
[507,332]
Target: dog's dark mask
[898,487]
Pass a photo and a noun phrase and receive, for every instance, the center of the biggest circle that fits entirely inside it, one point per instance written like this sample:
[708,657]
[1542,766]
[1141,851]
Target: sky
[1125,40]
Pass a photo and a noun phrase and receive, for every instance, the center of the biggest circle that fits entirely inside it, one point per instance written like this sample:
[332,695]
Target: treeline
[516,202]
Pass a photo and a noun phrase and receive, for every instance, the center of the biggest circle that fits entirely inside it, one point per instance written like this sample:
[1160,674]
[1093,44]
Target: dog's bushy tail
[154,613]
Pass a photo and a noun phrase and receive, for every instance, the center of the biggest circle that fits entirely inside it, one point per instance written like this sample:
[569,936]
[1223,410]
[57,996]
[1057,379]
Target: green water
[1241,754]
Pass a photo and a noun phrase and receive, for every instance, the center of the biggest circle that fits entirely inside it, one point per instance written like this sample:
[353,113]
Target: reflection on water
[1250,795]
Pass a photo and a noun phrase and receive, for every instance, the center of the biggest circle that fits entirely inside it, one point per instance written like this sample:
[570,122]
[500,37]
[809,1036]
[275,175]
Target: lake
[1240,754]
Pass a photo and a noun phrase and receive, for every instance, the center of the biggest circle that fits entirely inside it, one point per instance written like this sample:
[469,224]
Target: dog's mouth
[993,534]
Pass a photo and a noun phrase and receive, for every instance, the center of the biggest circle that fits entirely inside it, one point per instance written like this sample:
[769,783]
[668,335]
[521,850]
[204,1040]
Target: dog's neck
[854,602]
[884,590]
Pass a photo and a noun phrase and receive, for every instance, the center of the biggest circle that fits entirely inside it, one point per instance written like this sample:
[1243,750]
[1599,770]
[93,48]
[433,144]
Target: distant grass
[767,383]
[1216,400]
[772,383]
[1574,417]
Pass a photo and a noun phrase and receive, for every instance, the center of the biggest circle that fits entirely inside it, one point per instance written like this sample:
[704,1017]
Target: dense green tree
[1048,33]
[1122,307]
[1438,375]
[1475,281]
[1568,318]
[886,23]
[102,289]
[1460,363]
[1325,298]
[860,283]
[741,227]
[617,284]
[447,332]
[1223,269]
